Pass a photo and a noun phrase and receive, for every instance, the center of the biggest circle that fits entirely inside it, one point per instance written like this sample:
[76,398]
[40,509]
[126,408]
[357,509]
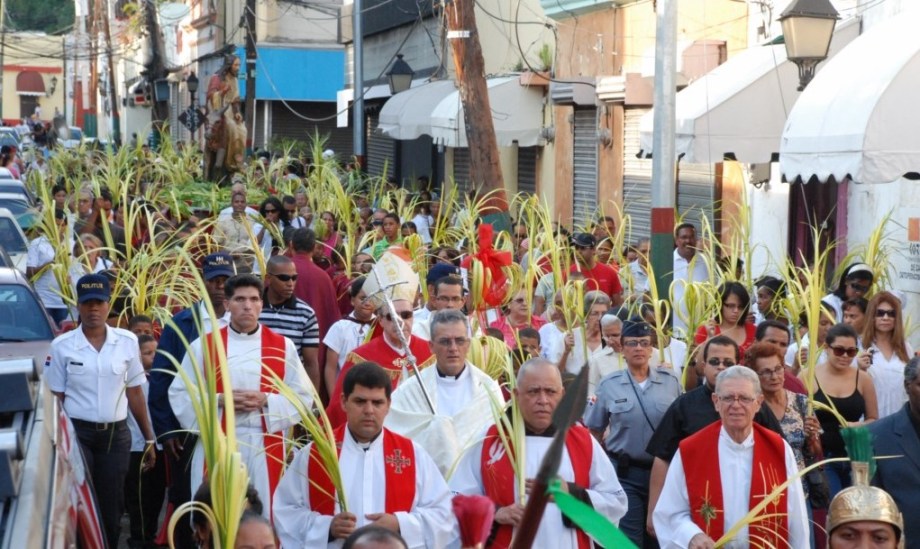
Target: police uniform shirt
[94,382]
[632,411]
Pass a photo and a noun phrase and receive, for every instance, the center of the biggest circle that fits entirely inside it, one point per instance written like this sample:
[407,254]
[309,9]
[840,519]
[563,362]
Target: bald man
[289,316]
[486,469]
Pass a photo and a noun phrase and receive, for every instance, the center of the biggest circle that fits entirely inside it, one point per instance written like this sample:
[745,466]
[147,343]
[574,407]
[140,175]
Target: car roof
[12,276]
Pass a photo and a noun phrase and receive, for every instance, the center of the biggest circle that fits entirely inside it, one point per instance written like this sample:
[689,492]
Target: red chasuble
[273,350]
[704,485]
[399,462]
[498,475]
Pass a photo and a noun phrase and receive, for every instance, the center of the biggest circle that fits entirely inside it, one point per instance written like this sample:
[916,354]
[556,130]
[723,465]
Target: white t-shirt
[344,336]
[423,225]
[41,251]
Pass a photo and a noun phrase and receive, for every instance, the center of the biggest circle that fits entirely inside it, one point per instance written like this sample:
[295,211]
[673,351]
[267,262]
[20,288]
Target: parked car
[16,186]
[13,240]
[70,137]
[25,327]
[8,136]
[26,216]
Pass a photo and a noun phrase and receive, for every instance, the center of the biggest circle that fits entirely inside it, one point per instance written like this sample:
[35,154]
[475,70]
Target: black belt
[98,426]
[638,464]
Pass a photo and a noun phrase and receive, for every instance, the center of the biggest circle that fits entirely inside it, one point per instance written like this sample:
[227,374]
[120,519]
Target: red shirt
[509,331]
[602,277]
[703,333]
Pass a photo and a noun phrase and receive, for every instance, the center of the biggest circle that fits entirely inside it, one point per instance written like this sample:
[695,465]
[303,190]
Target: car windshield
[17,206]
[10,237]
[21,317]
[8,139]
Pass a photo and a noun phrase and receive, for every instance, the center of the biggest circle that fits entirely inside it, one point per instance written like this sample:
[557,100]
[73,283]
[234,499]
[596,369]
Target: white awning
[739,108]
[407,115]
[517,114]
[858,118]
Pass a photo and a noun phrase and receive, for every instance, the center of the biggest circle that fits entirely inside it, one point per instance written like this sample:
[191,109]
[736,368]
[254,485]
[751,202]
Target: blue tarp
[295,74]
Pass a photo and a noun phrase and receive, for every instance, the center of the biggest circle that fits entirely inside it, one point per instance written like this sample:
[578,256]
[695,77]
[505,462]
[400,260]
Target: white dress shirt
[685,271]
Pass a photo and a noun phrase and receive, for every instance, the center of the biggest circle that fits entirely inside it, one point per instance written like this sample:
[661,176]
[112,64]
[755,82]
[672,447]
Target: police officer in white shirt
[97,374]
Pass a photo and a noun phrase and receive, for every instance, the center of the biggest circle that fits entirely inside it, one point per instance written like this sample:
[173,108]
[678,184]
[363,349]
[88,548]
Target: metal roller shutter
[695,193]
[462,169]
[285,124]
[637,179]
[380,149]
[584,166]
[527,170]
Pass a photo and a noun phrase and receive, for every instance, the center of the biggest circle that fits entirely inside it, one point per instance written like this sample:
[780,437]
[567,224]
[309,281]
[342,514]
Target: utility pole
[485,170]
[359,141]
[156,69]
[664,160]
[91,116]
[113,88]
[251,55]
[2,52]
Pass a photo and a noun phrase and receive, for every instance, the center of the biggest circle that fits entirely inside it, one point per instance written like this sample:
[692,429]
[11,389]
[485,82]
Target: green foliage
[51,16]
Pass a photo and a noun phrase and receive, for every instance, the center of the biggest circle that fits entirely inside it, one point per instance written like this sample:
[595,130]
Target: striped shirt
[293,319]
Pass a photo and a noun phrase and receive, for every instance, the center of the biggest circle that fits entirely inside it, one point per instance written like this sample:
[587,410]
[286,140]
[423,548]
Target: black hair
[139,319]
[410,225]
[367,374]
[145,338]
[766,325]
[838,331]
[529,333]
[775,285]
[60,187]
[392,215]
[859,302]
[242,281]
[728,289]
[356,285]
[721,341]
[495,333]
[203,495]
[248,516]
[447,280]
[372,533]
[683,226]
[828,308]
[105,194]
[841,290]
[303,240]
[59,214]
[274,201]
[288,199]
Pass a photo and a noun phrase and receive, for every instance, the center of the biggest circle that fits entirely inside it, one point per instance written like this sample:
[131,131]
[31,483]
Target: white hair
[739,372]
[610,319]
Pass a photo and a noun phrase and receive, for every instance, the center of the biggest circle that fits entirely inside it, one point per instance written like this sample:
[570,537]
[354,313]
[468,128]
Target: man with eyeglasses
[255,355]
[445,291]
[486,469]
[726,469]
[693,411]
[289,316]
[631,403]
[462,395]
[386,349]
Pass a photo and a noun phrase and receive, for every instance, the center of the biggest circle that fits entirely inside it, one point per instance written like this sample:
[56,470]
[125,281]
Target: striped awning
[30,83]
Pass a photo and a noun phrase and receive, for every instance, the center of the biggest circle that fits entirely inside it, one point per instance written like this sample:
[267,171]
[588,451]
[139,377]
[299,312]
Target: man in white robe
[728,474]
[587,473]
[462,396]
[259,409]
[389,481]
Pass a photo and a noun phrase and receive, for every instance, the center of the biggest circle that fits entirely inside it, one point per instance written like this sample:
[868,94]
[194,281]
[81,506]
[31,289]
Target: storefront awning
[407,115]
[30,83]
[738,109]
[858,118]
[517,115]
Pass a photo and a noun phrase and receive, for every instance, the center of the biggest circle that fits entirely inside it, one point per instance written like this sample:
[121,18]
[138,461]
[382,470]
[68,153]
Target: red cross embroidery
[397,461]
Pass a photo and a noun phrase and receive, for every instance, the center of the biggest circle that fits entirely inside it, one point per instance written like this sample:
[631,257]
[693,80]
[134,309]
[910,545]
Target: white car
[13,240]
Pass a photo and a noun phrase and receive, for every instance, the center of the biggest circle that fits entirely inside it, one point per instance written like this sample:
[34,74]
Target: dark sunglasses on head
[405,315]
[848,351]
[882,313]
[715,361]
[285,278]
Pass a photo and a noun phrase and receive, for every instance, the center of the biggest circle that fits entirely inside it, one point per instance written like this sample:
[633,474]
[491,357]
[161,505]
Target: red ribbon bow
[492,261]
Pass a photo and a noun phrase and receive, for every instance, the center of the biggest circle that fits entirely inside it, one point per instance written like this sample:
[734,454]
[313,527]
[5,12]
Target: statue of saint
[226,138]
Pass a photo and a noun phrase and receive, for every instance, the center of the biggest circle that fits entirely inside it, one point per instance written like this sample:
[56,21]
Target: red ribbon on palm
[493,261]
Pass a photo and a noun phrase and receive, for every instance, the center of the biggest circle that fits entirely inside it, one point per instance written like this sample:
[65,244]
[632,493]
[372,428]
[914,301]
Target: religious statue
[226,137]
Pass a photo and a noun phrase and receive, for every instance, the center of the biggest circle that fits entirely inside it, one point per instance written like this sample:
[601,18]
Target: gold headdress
[862,502]
[392,276]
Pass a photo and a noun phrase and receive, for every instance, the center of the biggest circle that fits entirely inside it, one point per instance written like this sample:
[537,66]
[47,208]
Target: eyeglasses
[775,372]
[644,343]
[858,287]
[270,210]
[284,278]
[450,341]
[882,313]
[731,399]
[405,315]
[848,351]
[715,361]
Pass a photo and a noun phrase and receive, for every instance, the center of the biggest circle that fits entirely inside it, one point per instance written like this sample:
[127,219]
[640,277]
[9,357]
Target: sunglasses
[848,351]
[882,313]
[715,361]
[270,210]
[858,287]
[405,315]
[376,223]
[285,278]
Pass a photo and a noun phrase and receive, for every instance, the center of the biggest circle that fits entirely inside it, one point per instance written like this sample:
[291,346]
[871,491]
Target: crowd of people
[688,428]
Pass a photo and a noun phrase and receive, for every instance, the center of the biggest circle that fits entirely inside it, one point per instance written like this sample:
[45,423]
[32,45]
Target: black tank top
[852,408]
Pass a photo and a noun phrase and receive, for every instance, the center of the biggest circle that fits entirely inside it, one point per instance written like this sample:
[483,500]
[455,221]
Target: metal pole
[664,159]
[2,54]
[358,104]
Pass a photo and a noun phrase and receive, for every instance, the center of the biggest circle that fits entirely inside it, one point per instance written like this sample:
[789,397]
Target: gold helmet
[862,502]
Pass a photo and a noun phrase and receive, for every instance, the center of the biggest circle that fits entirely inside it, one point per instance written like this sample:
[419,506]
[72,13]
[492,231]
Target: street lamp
[808,26]
[400,76]
[192,84]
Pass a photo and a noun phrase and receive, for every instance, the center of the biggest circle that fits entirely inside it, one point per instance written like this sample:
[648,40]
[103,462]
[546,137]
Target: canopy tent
[858,118]
[738,109]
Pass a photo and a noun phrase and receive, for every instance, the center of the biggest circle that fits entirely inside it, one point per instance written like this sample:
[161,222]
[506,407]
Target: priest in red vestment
[388,480]
[587,473]
[723,471]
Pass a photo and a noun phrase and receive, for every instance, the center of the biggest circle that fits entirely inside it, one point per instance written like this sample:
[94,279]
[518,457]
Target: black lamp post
[192,84]
[400,75]
[808,26]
